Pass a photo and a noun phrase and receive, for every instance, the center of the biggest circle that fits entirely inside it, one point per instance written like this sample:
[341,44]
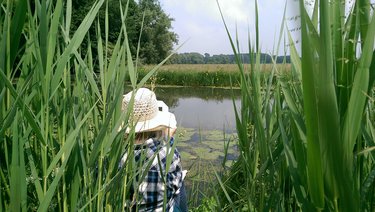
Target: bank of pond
[217,75]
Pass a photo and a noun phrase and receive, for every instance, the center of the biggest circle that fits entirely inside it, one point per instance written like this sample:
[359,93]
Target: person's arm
[174,176]
[168,134]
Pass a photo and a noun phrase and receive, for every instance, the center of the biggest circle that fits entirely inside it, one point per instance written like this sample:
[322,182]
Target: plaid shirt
[151,190]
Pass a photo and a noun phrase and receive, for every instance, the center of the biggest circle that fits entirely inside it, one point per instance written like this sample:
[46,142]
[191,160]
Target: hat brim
[161,121]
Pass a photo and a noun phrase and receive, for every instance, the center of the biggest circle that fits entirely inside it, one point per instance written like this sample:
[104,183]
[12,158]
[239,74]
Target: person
[154,127]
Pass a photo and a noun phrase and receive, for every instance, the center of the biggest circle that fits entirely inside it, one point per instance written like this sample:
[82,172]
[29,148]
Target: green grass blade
[222,186]
[43,35]
[102,133]
[299,188]
[16,29]
[34,171]
[114,62]
[358,95]
[89,74]
[314,163]
[51,43]
[328,115]
[364,16]
[152,72]
[4,40]
[27,112]
[65,150]
[68,16]
[9,117]
[73,45]
[69,143]
[17,171]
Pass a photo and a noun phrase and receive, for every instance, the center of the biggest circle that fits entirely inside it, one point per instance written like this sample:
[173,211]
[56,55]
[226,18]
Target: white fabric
[149,114]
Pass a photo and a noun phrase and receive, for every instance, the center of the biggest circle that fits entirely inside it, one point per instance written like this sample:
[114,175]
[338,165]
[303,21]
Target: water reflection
[201,107]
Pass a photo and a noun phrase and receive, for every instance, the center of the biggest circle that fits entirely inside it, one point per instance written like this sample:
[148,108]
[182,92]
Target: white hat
[149,114]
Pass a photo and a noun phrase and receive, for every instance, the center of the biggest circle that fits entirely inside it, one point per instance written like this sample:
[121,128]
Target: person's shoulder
[155,144]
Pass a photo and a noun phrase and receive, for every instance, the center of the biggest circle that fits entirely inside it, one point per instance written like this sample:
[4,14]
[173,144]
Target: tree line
[197,58]
[148,24]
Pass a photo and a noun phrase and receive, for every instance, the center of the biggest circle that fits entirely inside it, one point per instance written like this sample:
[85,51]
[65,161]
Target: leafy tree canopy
[157,37]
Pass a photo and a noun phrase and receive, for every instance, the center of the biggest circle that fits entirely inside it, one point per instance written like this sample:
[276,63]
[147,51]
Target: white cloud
[235,10]
[200,22]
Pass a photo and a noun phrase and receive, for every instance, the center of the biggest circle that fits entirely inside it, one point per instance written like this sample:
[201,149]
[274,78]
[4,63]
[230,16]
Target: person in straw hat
[154,127]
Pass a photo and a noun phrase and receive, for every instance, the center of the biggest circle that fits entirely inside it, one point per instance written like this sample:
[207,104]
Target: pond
[205,119]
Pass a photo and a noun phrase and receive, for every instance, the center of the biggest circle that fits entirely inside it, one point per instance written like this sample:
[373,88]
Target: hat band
[145,116]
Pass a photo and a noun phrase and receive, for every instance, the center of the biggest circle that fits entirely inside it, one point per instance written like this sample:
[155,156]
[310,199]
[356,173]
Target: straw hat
[149,114]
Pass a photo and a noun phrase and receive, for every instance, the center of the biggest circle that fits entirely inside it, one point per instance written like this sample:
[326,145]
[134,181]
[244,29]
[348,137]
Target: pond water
[200,107]
[205,119]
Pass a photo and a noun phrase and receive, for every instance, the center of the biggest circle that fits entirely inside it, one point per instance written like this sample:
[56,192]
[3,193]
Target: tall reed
[308,143]
[61,110]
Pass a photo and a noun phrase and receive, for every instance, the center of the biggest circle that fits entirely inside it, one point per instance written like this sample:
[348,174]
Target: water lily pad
[215,135]
[219,146]
[184,134]
[186,156]
[182,144]
[207,153]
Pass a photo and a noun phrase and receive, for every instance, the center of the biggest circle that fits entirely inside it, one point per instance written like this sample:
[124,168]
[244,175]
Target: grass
[305,131]
[59,140]
[299,140]
[204,67]
[215,75]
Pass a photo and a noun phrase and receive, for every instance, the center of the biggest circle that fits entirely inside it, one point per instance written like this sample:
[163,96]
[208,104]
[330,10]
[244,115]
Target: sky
[200,28]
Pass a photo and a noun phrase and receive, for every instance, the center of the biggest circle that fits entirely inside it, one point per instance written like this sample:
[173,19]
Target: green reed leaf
[27,112]
[16,29]
[358,96]
[74,44]
[17,175]
[314,163]
[69,143]
[59,171]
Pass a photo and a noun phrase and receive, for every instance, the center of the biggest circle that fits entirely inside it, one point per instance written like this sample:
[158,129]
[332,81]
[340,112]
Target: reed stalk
[301,144]
[60,110]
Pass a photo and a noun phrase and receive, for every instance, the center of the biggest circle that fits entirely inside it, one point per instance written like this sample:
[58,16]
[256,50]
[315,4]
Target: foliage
[145,18]
[306,142]
[197,77]
[217,75]
[60,142]
[196,58]
[208,204]
[157,40]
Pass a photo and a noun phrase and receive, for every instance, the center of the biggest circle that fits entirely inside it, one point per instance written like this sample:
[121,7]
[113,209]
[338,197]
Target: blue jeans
[181,201]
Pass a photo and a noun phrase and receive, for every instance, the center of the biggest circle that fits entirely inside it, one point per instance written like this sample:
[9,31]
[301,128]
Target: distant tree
[157,39]
[196,58]
[206,57]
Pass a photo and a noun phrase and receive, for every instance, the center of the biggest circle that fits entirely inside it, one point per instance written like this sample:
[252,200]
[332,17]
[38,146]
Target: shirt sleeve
[174,176]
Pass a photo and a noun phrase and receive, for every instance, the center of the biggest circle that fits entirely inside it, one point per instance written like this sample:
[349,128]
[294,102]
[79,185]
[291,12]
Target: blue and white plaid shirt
[152,188]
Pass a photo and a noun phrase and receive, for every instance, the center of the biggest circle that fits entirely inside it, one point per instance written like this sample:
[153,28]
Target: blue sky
[198,22]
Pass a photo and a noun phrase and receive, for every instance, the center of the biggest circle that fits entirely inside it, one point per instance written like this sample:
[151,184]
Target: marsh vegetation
[305,130]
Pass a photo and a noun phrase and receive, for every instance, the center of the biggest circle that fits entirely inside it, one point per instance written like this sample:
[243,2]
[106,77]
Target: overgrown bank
[217,75]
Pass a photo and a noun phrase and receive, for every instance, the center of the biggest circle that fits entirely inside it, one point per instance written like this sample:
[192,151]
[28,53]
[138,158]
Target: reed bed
[204,67]
[305,136]
[215,75]
[308,143]
[59,139]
